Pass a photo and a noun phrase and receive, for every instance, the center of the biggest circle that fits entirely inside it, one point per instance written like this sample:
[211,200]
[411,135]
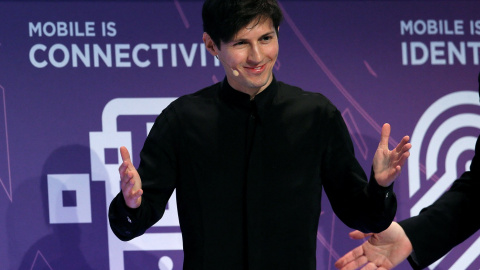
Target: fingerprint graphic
[437,141]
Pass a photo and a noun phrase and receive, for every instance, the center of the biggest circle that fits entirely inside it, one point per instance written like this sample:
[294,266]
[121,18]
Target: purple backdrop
[79,79]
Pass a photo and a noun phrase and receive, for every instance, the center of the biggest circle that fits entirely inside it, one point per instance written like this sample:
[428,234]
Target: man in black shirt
[249,157]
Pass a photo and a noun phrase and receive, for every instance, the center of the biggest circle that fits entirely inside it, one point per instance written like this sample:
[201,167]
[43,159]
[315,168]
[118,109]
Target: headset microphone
[234,71]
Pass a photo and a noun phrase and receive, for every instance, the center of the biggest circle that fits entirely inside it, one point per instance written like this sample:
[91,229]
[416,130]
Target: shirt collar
[263,100]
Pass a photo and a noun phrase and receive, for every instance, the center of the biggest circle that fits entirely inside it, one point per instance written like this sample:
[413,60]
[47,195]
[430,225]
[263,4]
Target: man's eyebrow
[238,40]
[246,39]
[269,33]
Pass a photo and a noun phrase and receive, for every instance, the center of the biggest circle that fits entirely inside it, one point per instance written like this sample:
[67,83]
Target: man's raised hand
[130,181]
[387,164]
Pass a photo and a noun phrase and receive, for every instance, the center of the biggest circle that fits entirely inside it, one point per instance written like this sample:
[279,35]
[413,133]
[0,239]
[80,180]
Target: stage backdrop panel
[79,79]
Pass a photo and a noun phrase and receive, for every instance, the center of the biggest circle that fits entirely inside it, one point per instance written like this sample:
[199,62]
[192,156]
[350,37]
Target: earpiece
[234,71]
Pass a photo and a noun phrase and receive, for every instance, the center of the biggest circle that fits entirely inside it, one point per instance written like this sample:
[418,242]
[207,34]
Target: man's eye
[267,38]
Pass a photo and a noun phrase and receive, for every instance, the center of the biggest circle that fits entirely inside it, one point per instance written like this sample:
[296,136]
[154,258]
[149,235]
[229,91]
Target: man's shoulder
[291,93]
[205,95]
[208,92]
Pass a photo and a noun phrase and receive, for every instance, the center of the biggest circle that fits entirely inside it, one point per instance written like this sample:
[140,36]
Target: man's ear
[209,44]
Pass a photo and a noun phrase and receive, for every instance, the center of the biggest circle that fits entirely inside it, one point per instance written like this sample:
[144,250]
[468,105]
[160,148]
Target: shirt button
[129,220]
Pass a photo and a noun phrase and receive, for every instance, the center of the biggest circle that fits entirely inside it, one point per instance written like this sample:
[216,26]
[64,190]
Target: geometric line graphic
[445,103]
[277,65]
[370,69]
[5,172]
[62,210]
[325,243]
[43,258]
[182,15]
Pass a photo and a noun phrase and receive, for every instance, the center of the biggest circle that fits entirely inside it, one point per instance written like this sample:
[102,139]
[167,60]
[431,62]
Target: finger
[403,159]
[404,145]
[406,148]
[400,146]
[343,261]
[398,170]
[126,176]
[353,255]
[122,168]
[369,266]
[133,200]
[126,185]
[127,180]
[125,154]
[357,263]
[385,135]
[131,195]
[137,194]
[357,235]
[360,261]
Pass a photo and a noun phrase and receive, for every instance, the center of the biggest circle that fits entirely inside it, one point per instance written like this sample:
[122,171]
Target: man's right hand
[130,181]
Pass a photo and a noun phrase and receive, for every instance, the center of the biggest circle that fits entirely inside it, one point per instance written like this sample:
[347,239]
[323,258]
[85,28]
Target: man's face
[252,53]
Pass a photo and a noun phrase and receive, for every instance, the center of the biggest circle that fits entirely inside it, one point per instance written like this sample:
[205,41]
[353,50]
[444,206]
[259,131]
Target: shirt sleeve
[157,171]
[123,220]
[360,204]
[448,221]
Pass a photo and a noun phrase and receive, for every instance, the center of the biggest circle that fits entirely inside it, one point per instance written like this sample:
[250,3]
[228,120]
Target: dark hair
[222,19]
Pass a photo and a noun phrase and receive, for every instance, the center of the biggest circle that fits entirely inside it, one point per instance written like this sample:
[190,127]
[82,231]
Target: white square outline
[59,214]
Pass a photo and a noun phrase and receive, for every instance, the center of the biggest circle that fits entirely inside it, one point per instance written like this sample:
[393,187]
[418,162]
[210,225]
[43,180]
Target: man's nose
[255,55]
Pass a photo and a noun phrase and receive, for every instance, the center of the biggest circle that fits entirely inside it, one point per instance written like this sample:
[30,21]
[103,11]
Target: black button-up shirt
[249,176]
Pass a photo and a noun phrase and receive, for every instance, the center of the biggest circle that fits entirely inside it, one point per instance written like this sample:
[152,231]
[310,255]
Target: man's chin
[261,84]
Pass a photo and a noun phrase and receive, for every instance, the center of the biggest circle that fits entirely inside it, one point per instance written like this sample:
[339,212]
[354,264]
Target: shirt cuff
[377,191]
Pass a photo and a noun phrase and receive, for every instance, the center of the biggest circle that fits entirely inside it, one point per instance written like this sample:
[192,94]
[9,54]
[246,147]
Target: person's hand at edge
[383,250]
